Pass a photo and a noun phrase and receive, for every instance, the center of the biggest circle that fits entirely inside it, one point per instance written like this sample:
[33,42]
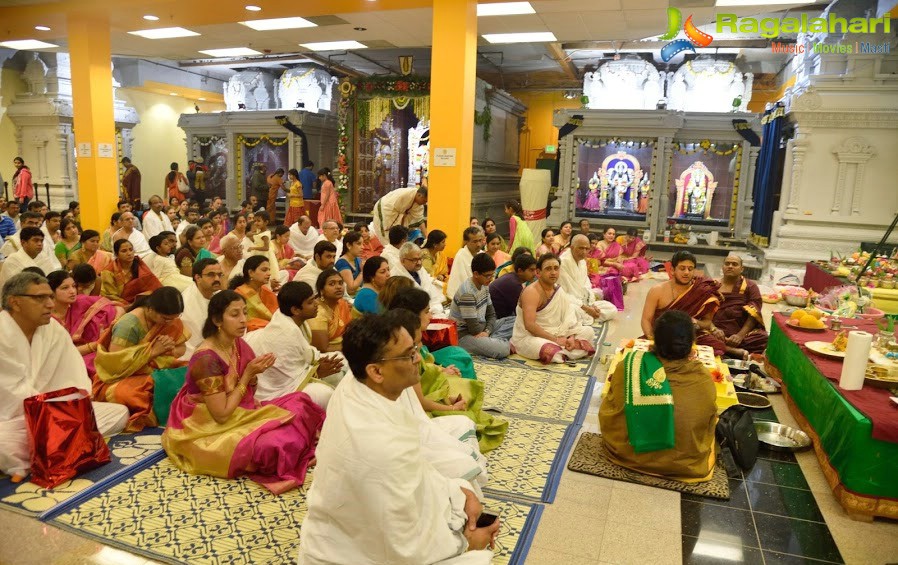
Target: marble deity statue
[695,190]
[620,175]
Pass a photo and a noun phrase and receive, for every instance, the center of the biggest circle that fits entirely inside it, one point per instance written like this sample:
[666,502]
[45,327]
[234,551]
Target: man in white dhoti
[299,365]
[303,238]
[32,243]
[129,232]
[411,267]
[461,265]
[207,280]
[546,327]
[231,258]
[156,221]
[162,263]
[37,356]
[323,257]
[371,466]
[330,232]
[400,207]
[574,279]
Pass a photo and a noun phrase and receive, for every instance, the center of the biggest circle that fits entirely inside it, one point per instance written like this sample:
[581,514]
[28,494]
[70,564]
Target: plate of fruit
[807,320]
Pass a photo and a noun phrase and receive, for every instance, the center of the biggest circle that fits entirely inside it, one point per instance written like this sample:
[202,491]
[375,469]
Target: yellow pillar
[452,92]
[94,117]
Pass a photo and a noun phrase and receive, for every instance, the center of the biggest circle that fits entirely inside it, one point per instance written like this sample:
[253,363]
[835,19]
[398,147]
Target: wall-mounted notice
[444,157]
[85,149]
[105,150]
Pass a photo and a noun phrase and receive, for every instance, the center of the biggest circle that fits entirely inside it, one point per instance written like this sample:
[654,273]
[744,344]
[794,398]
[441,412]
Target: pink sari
[635,251]
[613,253]
[86,319]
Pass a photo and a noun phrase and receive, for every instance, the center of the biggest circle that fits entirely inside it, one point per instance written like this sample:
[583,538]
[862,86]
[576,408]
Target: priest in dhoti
[574,279]
[738,326]
[474,239]
[659,414]
[546,326]
[375,497]
[37,356]
[400,207]
[303,237]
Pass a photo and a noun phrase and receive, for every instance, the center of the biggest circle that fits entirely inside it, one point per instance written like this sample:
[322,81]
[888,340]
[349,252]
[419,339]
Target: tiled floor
[781,512]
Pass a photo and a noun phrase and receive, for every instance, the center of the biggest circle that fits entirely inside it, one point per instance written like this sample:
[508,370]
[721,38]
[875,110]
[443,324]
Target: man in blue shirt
[307,178]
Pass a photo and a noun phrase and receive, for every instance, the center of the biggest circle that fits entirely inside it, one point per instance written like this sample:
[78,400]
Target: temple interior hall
[638,174]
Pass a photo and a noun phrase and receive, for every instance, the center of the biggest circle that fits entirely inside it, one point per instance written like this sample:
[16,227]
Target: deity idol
[592,201]
[620,174]
[644,189]
[695,190]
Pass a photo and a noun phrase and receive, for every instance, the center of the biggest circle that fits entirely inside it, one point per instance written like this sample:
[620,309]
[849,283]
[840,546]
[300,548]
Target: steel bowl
[781,438]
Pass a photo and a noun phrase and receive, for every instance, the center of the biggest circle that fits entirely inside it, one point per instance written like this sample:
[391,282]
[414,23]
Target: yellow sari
[332,321]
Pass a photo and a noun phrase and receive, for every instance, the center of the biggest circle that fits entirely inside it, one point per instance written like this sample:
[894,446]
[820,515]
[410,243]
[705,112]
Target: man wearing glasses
[371,466]
[410,257]
[207,280]
[37,356]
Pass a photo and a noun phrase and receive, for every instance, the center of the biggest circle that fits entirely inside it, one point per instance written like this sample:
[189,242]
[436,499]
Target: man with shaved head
[574,279]
[738,325]
[303,237]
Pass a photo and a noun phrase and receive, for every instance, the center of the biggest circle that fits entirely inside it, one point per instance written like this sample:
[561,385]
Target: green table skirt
[865,466]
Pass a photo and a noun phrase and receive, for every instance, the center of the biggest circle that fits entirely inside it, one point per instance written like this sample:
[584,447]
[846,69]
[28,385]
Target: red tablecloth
[818,280]
[872,402]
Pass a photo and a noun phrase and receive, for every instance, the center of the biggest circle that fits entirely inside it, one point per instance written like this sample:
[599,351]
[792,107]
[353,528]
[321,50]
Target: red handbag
[443,334]
[63,434]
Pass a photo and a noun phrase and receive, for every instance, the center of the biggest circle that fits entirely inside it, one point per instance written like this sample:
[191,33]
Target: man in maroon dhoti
[738,325]
[698,297]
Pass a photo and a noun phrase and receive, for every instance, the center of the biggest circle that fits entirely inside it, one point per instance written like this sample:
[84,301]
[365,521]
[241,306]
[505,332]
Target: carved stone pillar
[853,155]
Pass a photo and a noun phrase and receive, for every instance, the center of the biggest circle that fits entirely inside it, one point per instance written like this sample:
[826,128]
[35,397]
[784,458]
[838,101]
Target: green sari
[439,386]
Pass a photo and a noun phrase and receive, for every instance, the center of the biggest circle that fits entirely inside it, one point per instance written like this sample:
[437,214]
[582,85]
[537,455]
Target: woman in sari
[127,276]
[296,206]
[350,264]
[611,256]
[334,313]
[433,258]
[218,428]
[330,207]
[520,234]
[441,391]
[115,224]
[286,256]
[149,337]
[69,243]
[375,273]
[218,231]
[85,317]
[489,228]
[494,250]
[187,255]
[261,303]
[564,235]
[633,252]
[240,224]
[548,244]
[508,266]
[371,246]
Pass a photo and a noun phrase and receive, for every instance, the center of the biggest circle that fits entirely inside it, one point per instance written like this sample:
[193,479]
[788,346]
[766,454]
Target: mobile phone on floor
[486,519]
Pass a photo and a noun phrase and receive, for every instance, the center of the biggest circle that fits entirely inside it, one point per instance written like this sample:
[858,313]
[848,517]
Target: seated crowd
[270,328]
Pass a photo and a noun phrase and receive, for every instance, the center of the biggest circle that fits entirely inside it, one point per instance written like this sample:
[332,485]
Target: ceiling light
[722,3]
[41,28]
[172,93]
[151,18]
[27,44]
[201,99]
[252,8]
[231,52]
[278,23]
[333,45]
[505,9]
[164,33]
[531,37]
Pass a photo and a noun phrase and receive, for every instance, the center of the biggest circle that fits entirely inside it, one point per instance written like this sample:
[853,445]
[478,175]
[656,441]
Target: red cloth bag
[63,435]
[436,339]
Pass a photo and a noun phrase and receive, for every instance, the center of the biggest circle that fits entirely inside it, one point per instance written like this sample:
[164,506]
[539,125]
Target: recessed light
[201,99]
[505,9]
[252,8]
[27,44]
[41,28]
[172,93]
[531,37]
[333,45]
[231,52]
[151,18]
[278,23]
[164,33]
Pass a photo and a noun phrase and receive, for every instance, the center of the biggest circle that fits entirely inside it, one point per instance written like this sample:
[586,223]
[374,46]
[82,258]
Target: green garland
[484,119]
[392,86]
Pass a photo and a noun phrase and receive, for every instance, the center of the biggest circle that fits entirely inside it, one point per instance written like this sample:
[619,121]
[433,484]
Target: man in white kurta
[400,207]
[30,255]
[129,232]
[207,280]
[375,498]
[411,267]
[574,279]
[155,221]
[13,243]
[303,238]
[396,238]
[330,231]
[323,257]
[474,238]
[36,356]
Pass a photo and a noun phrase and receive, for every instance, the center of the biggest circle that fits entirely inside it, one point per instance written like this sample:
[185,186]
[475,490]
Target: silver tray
[781,438]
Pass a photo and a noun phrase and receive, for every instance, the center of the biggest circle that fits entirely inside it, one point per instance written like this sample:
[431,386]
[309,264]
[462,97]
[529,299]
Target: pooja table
[854,433]
[818,279]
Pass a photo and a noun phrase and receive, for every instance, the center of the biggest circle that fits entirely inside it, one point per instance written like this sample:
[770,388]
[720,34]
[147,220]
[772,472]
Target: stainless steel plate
[781,438]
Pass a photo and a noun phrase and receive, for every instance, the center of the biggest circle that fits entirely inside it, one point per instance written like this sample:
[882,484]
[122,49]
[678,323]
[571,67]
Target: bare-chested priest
[697,296]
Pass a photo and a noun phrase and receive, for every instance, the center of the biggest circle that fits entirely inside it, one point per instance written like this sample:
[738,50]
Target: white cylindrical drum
[535,185]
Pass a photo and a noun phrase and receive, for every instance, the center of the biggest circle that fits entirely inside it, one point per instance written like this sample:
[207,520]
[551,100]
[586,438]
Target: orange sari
[121,287]
[259,306]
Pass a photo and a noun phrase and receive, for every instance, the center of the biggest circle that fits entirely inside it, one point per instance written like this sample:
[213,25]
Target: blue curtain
[768,175]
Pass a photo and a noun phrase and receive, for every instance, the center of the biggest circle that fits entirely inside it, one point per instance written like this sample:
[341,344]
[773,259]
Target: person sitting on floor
[149,337]
[350,264]
[218,428]
[84,317]
[303,237]
[434,258]
[207,280]
[231,258]
[506,291]
[546,326]
[574,279]
[161,262]
[737,325]
[194,242]
[371,246]
[298,365]
[334,312]
[432,517]
[31,254]
[508,266]
[131,233]
[252,285]
[330,232]
[699,297]
[474,239]
[127,276]
[37,356]
[411,266]
[90,252]
[375,273]
[397,235]
[262,240]
[323,258]
[633,250]
[473,312]
[668,430]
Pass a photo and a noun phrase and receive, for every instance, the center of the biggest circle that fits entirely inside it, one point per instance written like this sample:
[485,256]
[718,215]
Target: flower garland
[706,146]
[341,174]
[275,141]
[207,140]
